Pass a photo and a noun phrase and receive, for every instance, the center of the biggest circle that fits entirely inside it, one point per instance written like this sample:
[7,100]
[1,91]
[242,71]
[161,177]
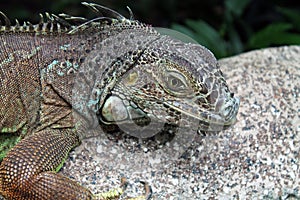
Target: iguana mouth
[210,120]
[117,111]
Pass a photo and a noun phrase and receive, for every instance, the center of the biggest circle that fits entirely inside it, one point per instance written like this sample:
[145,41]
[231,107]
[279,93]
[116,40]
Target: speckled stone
[257,158]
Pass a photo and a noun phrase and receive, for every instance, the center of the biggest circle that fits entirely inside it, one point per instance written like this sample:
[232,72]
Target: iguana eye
[131,78]
[175,82]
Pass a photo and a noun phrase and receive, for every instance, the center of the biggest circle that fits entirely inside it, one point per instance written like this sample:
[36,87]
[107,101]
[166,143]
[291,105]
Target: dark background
[227,27]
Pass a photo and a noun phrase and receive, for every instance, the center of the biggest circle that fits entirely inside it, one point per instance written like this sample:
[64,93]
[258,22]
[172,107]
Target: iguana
[66,75]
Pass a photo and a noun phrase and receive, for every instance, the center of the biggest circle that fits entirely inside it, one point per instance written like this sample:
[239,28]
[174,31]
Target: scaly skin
[59,80]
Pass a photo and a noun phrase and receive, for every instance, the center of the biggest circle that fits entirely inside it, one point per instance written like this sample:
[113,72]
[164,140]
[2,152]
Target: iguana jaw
[210,120]
[117,111]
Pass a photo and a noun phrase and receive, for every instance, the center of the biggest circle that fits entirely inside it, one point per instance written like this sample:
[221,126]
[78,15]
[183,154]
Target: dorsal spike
[29,26]
[61,21]
[42,20]
[48,16]
[131,16]
[73,19]
[17,23]
[100,10]
[6,20]
[107,19]
[67,23]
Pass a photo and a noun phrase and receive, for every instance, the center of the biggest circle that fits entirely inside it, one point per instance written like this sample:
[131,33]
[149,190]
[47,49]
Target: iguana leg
[29,169]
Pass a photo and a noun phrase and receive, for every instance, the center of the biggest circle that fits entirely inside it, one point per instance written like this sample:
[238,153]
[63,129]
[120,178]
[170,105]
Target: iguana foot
[117,192]
[112,194]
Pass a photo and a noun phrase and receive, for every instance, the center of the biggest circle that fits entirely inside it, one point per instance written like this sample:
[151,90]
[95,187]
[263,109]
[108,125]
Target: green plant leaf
[292,15]
[208,36]
[236,6]
[274,34]
[236,45]
[205,35]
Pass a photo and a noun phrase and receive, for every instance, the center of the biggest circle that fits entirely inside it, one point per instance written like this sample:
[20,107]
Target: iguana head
[171,82]
[143,76]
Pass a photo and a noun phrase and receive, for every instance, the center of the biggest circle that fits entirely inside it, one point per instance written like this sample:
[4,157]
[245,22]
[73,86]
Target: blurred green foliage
[226,27]
[226,40]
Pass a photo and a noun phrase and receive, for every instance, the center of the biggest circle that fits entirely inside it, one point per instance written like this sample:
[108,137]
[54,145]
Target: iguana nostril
[229,108]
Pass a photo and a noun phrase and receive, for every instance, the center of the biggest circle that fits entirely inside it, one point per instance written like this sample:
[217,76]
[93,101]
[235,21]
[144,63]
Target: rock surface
[257,158]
